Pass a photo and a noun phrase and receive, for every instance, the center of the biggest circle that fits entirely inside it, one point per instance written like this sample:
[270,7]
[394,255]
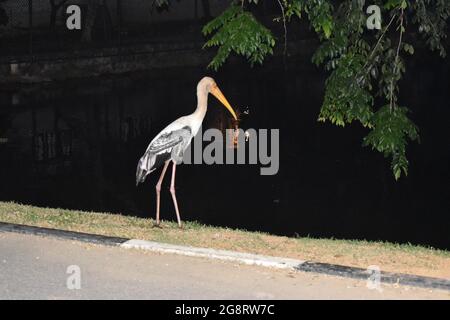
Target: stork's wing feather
[165,141]
[166,145]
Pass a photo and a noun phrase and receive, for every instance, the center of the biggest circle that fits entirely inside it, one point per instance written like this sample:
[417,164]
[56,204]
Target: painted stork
[171,143]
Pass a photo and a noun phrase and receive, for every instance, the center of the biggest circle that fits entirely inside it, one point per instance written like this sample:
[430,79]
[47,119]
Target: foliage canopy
[363,71]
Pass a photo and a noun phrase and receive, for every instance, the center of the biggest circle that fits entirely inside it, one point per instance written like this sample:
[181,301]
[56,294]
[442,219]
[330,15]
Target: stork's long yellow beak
[219,95]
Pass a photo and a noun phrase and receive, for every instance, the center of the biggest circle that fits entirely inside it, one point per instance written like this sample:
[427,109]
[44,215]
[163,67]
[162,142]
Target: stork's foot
[181,226]
[157,225]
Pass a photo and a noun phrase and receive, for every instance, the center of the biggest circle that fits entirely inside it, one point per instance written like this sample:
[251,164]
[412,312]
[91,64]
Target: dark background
[75,144]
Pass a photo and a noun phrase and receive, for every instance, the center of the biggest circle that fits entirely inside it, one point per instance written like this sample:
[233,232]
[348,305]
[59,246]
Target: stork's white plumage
[171,143]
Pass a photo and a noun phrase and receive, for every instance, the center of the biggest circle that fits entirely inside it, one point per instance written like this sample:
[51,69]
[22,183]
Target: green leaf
[236,30]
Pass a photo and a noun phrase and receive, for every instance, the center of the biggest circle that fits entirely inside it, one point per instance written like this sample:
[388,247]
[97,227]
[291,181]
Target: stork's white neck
[202,105]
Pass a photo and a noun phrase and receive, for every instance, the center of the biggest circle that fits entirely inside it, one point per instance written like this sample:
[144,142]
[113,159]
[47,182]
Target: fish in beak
[219,95]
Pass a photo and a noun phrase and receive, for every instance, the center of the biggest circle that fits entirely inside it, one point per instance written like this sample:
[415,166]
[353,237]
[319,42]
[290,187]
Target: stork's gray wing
[166,141]
[168,145]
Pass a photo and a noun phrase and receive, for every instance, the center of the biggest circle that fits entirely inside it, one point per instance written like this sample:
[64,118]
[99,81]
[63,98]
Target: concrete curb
[385,277]
[62,234]
[246,258]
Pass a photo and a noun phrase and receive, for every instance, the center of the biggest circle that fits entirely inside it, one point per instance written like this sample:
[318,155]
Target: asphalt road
[33,267]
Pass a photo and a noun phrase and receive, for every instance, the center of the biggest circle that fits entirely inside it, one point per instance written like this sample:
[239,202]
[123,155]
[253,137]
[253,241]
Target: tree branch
[379,41]
[284,25]
[391,103]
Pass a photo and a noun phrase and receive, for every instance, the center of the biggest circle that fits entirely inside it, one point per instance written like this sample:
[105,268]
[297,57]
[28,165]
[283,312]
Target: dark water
[76,145]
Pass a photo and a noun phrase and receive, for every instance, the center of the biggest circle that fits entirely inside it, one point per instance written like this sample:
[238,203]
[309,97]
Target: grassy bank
[389,256]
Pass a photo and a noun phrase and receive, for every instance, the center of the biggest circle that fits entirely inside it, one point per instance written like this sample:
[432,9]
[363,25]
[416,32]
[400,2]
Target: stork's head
[208,85]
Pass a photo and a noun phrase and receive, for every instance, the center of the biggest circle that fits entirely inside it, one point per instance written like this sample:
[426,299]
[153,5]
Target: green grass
[406,258]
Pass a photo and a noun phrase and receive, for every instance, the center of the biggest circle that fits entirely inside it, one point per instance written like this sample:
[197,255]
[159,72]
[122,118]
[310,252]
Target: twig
[284,25]
[396,60]
[379,41]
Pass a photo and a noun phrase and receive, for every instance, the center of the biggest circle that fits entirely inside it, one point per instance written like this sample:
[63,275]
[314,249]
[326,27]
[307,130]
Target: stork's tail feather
[144,167]
[140,174]
[141,170]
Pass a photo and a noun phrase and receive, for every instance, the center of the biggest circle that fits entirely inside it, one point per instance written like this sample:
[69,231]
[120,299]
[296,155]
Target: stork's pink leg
[158,190]
[172,191]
